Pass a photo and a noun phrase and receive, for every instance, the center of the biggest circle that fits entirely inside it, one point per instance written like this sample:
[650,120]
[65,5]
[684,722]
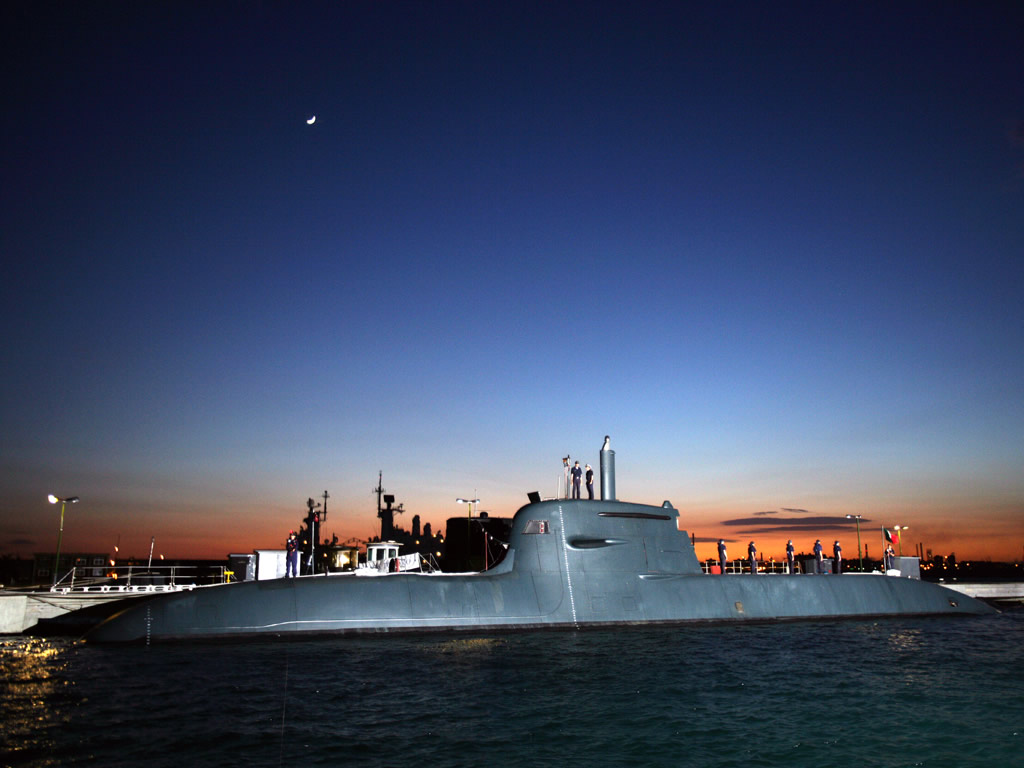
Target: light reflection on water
[466,645]
[33,695]
[818,692]
[905,640]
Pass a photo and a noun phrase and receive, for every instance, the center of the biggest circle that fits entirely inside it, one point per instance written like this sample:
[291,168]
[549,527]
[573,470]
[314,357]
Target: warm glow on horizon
[213,533]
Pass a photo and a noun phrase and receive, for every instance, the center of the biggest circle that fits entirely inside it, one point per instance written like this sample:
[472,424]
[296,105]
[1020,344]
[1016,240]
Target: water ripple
[915,692]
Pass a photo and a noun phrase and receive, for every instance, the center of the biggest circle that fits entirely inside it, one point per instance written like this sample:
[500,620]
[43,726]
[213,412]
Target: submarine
[570,564]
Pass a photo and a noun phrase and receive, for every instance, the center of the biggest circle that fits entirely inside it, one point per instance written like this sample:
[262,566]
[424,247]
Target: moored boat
[570,564]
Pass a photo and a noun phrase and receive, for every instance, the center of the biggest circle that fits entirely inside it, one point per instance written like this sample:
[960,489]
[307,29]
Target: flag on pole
[891,537]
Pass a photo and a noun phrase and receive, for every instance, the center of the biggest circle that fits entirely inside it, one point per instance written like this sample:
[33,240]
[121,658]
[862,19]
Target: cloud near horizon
[712,540]
[791,510]
[16,544]
[814,529]
[821,522]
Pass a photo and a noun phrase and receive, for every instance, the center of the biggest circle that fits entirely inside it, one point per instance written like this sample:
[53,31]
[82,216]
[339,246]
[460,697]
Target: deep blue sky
[776,250]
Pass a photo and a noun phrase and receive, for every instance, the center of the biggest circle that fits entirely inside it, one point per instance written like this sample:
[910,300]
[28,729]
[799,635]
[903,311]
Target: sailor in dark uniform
[721,554]
[837,553]
[590,482]
[790,557]
[291,567]
[577,475]
[752,552]
[819,556]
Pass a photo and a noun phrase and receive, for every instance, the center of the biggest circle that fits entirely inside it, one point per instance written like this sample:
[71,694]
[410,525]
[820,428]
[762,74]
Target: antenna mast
[379,489]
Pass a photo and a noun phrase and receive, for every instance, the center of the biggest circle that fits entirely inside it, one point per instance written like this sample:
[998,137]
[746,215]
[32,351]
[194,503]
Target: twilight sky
[775,250]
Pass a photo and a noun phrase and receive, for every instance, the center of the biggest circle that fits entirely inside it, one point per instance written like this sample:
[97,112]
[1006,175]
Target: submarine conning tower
[607,471]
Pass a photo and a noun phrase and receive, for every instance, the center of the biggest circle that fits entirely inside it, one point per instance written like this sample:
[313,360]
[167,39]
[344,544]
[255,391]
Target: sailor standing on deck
[291,567]
[790,557]
[577,475]
[721,554]
[752,552]
[590,482]
[819,556]
[837,553]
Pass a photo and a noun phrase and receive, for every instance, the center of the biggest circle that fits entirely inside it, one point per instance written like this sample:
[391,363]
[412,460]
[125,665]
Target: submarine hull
[571,564]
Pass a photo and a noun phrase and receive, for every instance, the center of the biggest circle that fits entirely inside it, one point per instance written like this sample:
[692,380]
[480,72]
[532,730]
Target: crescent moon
[311,120]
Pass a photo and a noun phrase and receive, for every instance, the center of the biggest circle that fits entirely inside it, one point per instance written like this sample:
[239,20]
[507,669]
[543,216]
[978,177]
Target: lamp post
[899,528]
[60,534]
[315,513]
[470,502]
[469,520]
[860,559]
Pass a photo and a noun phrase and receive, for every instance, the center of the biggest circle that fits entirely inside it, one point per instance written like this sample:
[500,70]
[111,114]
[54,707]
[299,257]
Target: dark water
[905,692]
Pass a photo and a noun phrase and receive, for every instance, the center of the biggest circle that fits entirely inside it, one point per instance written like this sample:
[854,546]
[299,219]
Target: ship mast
[379,489]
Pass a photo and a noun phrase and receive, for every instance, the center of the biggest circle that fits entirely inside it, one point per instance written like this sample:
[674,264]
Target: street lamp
[60,535]
[471,502]
[899,538]
[469,520]
[859,558]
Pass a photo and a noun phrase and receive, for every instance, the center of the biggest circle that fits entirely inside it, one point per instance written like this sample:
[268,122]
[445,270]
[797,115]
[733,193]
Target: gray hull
[570,564]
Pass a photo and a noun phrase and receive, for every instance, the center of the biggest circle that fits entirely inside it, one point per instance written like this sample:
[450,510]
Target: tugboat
[570,564]
[382,557]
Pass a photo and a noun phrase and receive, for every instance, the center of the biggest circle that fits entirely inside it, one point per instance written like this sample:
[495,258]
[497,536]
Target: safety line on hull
[568,576]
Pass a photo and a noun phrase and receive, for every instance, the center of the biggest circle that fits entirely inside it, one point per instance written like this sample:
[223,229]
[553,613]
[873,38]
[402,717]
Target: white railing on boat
[140,578]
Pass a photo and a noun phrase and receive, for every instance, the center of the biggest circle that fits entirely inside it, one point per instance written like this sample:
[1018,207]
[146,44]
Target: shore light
[469,519]
[60,533]
[471,502]
[860,559]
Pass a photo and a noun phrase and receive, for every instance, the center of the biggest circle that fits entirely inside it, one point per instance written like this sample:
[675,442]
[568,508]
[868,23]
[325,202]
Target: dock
[82,598]
[20,612]
[999,592]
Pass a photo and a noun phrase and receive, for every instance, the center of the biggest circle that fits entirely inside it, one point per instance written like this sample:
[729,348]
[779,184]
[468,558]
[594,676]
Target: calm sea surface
[904,692]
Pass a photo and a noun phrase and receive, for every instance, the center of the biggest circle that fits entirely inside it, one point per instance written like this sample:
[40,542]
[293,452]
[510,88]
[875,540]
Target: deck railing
[743,566]
[774,566]
[87,577]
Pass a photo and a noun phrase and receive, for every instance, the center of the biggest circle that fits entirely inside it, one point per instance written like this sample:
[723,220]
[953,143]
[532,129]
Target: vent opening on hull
[594,543]
[634,515]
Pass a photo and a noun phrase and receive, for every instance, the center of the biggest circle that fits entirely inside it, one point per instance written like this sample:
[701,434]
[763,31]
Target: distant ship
[570,564]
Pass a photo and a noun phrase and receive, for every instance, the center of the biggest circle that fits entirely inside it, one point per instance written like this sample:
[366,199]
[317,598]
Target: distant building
[15,570]
[87,565]
[423,541]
